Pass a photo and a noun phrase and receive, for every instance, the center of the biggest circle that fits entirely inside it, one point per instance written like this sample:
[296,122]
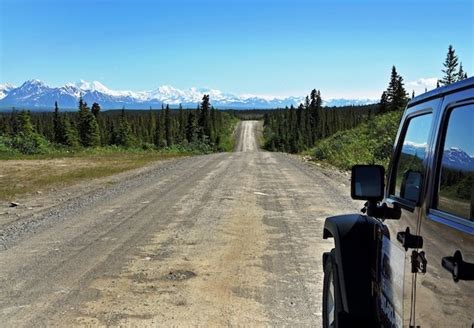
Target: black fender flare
[353,238]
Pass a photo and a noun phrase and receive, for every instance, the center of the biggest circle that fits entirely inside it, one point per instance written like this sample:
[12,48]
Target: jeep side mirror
[367,182]
[411,186]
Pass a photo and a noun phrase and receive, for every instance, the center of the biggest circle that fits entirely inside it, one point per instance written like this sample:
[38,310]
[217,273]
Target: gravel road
[228,239]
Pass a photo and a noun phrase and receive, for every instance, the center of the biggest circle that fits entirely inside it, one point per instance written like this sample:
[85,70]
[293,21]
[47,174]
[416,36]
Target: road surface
[227,239]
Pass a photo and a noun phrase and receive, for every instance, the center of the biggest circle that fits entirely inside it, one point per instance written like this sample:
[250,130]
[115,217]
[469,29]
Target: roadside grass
[58,167]
[261,137]
[228,139]
[368,143]
[26,174]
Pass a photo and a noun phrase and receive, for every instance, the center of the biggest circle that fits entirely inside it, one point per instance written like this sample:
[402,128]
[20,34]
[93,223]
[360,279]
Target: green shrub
[29,143]
[369,143]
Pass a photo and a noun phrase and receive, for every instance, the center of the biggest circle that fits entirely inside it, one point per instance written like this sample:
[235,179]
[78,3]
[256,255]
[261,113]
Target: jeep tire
[331,293]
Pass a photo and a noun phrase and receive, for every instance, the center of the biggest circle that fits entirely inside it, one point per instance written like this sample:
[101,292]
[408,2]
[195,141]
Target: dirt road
[230,239]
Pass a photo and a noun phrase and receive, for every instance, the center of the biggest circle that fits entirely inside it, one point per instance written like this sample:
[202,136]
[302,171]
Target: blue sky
[344,48]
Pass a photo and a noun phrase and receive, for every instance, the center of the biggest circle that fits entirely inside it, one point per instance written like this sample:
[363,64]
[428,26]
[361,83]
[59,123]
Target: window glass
[411,159]
[456,181]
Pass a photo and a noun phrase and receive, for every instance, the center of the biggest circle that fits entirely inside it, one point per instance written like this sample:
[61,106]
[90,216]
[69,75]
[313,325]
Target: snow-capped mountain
[453,158]
[5,89]
[36,94]
[458,159]
[339,102]
[414,149]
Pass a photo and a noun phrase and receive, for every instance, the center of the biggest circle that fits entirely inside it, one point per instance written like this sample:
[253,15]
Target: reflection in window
[411,160]
[457,164]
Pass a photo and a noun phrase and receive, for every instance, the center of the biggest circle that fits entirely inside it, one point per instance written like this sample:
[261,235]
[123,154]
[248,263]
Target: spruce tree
[213,123]
[124,133]
[396,94]
[401,96]
[89,134]
[461,74]
[95,109]
[314,112]
[300,135]
[392,85]
[151,126]
[70,137]
[157,133]
[450,65]
[383,103]
[191,127]
[168,132]
[319,103]
[58,126]
[24,125]
[204,118]
[182,120]
[307,122]
[26,139]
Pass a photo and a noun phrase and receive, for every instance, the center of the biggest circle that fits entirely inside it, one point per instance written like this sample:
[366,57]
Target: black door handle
[408,240]
[459,269]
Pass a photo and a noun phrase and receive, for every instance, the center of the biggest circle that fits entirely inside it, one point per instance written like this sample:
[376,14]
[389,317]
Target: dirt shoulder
[68,185]
[23,177]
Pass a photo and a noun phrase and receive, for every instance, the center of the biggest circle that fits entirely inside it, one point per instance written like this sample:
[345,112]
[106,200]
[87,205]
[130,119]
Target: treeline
[250,114]
[296,129]
[204,129]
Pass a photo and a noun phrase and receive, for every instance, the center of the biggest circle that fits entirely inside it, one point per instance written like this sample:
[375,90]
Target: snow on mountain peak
[33,83]
[457,158]
[34,93]
[5,88]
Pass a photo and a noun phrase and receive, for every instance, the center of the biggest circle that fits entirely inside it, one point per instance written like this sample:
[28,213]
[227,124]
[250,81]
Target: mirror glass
[411,186]
[367,182]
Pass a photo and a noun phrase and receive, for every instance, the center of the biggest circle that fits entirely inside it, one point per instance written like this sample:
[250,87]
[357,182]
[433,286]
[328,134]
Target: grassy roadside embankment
[227,141]
[365,144]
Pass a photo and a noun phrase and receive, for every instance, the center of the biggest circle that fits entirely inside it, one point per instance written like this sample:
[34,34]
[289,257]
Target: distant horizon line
[205,89]
[42,109]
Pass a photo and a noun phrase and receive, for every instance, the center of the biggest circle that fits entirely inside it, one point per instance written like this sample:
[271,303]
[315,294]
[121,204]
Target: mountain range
[454,158]
[35,94]
[458,159]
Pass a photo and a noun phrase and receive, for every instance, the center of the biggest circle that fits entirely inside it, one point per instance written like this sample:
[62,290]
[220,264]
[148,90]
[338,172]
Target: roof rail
[441,91]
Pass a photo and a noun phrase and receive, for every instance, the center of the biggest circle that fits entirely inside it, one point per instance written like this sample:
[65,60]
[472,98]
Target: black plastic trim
[353,237]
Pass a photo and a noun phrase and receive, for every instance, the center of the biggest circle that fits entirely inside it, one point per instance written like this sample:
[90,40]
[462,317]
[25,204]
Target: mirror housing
[367,182]
[411,186]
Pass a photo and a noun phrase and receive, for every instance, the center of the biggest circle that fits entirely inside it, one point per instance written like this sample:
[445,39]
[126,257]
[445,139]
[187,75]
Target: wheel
[331,294]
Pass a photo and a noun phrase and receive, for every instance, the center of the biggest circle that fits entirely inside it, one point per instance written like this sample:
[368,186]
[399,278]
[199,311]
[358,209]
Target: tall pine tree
[383,108]
[450,65]
[88,128]
[204,118]
[95,109]
[461,74]
[58,126]
[168,132]
[124,133]
[396,95]
[191,127]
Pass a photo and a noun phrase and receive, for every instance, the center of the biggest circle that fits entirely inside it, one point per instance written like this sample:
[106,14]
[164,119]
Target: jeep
[408,259]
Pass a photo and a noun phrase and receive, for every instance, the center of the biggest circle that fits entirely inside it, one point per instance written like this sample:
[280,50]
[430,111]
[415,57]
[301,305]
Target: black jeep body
[409,261]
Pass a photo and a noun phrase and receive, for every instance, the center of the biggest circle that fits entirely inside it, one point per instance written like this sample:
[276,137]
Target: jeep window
[456,181]
[412,155]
